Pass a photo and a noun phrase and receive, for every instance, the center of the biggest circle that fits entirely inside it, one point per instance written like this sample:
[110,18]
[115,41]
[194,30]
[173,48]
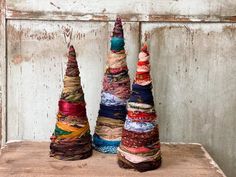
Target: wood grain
[31,160]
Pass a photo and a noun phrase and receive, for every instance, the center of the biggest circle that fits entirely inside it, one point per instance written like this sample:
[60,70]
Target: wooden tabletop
[30,159]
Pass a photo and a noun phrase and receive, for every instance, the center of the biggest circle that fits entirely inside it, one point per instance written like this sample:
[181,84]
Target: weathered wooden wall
[194,76]
[193,56]
[36,64]
[2,73]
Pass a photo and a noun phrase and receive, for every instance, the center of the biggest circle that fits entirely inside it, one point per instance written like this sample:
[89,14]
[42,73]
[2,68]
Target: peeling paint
[103,16]
[18,33]
[133,10]
[229,27]
[17,59]
[55,5]
[168,18]
[67,33]
[202,27]
[42,36]
[147,36]
[15,34]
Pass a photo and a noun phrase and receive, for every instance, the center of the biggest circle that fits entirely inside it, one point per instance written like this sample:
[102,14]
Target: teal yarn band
[117,43]
[105,146]
[97,141]
[107,149]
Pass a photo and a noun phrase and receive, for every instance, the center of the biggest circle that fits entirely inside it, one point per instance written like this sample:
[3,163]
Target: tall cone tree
[114,96]
[71,139]
[140,146]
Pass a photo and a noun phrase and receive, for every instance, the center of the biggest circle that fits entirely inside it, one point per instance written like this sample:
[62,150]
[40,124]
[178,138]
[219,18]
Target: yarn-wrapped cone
[71,139]
[114,96]
[140,145]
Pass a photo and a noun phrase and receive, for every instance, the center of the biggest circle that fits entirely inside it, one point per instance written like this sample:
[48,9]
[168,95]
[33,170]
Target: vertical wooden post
[3,73]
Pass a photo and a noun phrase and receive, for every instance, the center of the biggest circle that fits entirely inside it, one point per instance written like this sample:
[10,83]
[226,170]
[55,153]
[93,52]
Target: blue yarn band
[115,112]
[107,149]
[141,94]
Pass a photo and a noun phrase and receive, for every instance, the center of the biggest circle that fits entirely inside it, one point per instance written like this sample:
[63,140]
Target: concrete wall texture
[193,63]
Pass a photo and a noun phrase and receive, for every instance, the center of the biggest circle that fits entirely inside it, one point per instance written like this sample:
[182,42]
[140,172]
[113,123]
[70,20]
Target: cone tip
[145,48]
[118,19]
[71,53]
[72,48]
[118,29]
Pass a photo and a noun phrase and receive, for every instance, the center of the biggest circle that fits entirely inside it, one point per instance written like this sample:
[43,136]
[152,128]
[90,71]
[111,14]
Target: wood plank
[31,159]
[2,74]
[133,10]
[193,71]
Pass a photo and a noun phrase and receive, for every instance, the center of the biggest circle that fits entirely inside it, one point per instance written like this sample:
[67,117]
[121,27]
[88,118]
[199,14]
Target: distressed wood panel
[193,70]
[36,64]
[2,74]
[132,10]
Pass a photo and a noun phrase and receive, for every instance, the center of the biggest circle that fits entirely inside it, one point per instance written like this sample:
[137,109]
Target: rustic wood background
[193,56]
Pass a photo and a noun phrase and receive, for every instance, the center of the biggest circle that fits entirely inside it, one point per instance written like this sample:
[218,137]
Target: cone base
[72,150]
[71,158]
[141,167]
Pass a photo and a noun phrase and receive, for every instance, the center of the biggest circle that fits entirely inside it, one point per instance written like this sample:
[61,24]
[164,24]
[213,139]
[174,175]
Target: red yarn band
[72,109]
[142,76]
[138,114]
[141,63]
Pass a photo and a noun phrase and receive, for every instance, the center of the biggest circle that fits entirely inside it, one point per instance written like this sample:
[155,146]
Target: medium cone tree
[71,139]
[114,96]
[140,146]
